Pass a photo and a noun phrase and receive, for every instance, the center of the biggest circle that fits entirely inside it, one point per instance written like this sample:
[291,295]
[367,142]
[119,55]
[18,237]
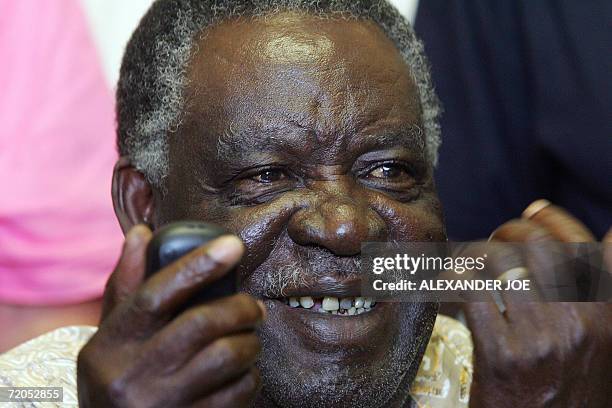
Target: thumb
[129,272]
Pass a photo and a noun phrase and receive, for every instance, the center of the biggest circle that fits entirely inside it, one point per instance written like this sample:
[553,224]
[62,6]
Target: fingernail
[535,208]
[226,249]
[264,310]
[136,235]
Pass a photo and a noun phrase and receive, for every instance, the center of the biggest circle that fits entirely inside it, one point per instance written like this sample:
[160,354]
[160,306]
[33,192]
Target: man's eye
[269,176]
[396,172]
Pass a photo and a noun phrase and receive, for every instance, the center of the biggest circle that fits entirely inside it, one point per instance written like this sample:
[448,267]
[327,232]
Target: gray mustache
[299,271]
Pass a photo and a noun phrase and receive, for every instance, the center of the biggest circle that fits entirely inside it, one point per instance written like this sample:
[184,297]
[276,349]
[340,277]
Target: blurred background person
[59,239]
[530,83]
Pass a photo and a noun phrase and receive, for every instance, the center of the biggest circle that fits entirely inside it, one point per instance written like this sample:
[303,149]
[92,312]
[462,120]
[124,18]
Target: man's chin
[312,358]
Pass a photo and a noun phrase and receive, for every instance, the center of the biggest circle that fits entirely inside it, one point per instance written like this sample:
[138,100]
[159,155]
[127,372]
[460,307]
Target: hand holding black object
[150,351]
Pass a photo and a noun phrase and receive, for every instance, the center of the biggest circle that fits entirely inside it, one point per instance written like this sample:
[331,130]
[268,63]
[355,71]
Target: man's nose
[339,225]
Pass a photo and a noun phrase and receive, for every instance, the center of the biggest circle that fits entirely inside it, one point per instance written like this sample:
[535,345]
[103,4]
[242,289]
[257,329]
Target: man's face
[301,135]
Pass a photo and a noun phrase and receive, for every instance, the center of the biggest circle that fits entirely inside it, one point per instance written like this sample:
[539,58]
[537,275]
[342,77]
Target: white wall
[407,7]
[112,23]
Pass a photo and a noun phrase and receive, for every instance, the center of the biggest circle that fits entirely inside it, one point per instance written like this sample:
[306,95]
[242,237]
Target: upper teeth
[306,302]
[346,303]
[329,304]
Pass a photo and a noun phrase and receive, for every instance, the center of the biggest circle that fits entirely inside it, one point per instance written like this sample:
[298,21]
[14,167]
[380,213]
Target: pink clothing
[59,238]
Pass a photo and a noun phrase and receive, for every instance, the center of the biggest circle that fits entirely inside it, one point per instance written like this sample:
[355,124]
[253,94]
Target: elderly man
[304,128]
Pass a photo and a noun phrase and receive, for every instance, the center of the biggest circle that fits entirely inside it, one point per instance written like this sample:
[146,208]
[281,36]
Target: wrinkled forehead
[332,78]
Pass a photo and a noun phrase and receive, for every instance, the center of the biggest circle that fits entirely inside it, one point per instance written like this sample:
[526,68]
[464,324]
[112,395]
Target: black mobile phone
[174,240]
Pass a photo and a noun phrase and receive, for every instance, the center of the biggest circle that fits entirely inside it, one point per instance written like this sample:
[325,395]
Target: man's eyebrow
[411,136]
[233,143]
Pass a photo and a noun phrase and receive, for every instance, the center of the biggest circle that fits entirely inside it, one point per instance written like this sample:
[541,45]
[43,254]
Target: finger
[508,254]
[200,325]
[521,230]
[545,259]
[607,248]
[471,250]
[508,262]
[129,273]
[240,393]
[220,363]
[526,317]
[165,292]
[564,226]
[486,324]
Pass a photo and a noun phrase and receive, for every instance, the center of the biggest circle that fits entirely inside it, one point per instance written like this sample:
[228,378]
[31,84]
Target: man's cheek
[419,220]
[260,226]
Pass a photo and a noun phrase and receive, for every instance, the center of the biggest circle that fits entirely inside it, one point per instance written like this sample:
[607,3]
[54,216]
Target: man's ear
[132,196]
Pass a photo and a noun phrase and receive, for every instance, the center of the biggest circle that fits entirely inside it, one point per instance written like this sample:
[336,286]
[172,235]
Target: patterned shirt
[443,379]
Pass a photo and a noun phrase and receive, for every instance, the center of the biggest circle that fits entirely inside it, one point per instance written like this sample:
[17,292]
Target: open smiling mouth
[330,314]
[346,306]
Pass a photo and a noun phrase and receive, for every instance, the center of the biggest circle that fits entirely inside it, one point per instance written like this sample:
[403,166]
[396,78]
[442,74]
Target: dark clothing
[527,91]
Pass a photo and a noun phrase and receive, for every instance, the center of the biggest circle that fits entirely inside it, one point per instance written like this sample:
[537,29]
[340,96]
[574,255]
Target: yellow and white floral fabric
[443,380]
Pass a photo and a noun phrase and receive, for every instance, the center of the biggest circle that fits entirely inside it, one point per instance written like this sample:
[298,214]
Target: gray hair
[154,68]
